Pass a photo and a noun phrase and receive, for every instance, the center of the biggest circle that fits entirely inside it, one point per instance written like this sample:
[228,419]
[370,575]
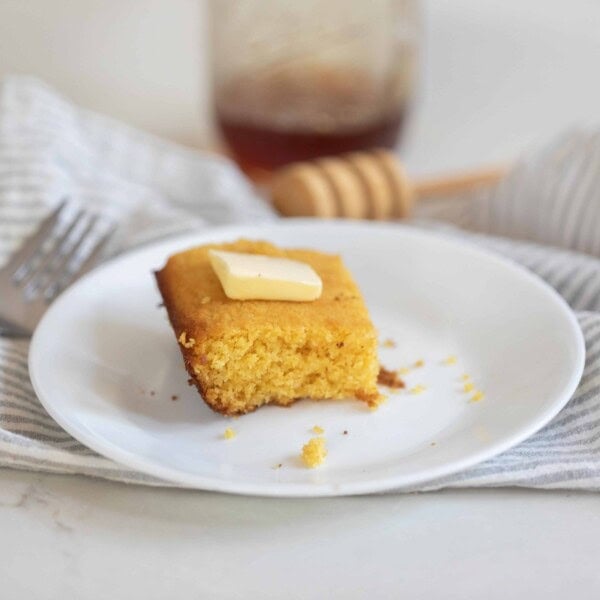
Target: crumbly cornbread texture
[314,452]
[247,353]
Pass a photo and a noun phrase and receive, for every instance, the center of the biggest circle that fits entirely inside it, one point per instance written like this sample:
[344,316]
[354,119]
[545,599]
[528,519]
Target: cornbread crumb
[229,434]
[318,430]
[477,396]
[450,360]
[375,404]
[314,452]
[465,377]
[403,371]
[468,387]
[389,378]
[389,343]
[417,389]
[418,364]
[205,300]
[186,343]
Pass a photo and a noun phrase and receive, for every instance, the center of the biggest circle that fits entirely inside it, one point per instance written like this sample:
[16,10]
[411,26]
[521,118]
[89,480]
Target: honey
[271,120]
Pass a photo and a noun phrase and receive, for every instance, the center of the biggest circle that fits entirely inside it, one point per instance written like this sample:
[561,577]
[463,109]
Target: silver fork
[62,249]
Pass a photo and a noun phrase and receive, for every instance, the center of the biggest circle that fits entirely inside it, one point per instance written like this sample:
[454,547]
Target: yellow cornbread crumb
[477,396]
[314,452]
[465,377]
[318,430]
[420,363]
[229,434]
[403,371]
[186,343]
[389,343]
[468,387]
[417,389]
[205,300]
[450,360]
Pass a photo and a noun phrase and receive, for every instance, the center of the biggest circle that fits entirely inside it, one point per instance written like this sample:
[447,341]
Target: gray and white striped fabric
[549,205]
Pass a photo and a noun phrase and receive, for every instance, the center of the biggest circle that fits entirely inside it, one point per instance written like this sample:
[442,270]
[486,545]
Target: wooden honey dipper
[362,185]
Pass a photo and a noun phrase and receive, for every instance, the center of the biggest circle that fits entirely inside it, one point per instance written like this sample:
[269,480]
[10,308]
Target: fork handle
[12,331]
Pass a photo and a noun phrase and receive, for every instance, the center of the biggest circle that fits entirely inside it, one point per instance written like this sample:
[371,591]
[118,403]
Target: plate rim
[109,450]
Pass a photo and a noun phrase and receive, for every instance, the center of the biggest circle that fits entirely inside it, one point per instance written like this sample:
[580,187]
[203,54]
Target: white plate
[105,365]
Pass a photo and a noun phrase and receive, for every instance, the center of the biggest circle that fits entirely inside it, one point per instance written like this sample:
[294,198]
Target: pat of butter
[258,277]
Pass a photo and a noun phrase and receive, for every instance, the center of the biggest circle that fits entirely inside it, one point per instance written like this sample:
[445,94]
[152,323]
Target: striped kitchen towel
[544,215]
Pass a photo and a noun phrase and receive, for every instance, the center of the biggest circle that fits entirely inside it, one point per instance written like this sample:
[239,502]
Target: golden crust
[248,353]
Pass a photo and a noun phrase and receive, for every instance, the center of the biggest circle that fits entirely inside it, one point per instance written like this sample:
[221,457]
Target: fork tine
[34,242]
[96,251]
[63,248]
[36,274]
[60,265]
[90,261]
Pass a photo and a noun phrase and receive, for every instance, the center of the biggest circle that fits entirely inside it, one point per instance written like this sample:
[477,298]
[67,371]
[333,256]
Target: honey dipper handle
[455,184]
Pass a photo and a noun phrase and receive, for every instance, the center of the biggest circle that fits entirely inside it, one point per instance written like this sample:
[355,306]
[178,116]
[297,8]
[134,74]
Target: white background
[497,76]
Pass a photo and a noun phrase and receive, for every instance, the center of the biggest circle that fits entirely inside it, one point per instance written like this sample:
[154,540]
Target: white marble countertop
[497,76]
[66,537]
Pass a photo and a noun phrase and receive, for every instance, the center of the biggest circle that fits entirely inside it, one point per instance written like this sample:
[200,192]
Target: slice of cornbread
[242,354]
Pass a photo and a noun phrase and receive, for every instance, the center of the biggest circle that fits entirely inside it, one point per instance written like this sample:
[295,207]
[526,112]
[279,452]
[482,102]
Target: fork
[62,249]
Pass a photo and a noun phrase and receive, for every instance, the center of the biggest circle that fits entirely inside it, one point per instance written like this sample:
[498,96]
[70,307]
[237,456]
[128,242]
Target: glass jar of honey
[295,80]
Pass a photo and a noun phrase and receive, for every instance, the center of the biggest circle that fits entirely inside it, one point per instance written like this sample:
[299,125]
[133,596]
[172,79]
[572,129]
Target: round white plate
[105,364]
